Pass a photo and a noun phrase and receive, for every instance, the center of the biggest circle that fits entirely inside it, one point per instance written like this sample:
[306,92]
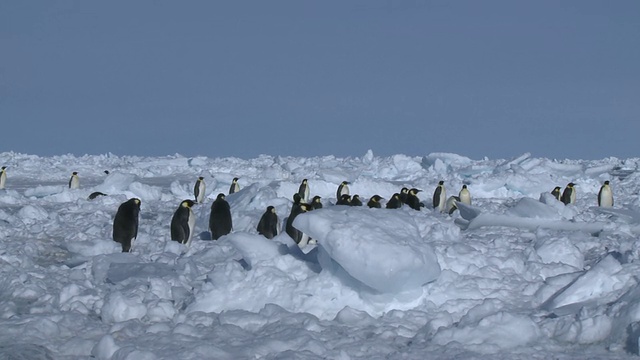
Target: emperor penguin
[395,202]
[95,194]
[569,194]
[234,188]
[343,189]
[3,177]
[316,202]
[268,225]
[556,192]
[452,204]
[344,200]
[220,218]
[605,195]
[374,202]
[465,195]
[74,182]
[199,190]
[403,194]
[183,223]
[355,200]
[303,191]
[412,199]
[297,235]
[440,197]
[125,224]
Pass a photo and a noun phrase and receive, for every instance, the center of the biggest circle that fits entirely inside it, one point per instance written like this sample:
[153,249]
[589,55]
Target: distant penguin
[3,177]
[605,195]
[465,195]
[183,223]
[440,197]
[556,192]
[295,234]
[106,172]
[355,200]
[199,190]
[344,200]
[220,218]
[303,191]
[395,202]
[343,189]
[403,195]
[95,194]
[569,194]
[452,204]
[125,224]
[413,200]
[268,225]
[234,188]
[374,202]
[74,182]
[316,202]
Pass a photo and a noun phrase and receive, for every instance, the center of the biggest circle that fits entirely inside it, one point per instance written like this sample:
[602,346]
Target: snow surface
[518,275]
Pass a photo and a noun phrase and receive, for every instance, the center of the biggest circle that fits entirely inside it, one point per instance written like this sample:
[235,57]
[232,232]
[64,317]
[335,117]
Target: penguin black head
[187,203]
[464,186]
[271,209]
[404,190]
[606,181]
[74,173]
[414,191]
[376,198]
[200,178]
[557,188]
[345,183]
[220,196]
[4,167]
[297,198]
[304,181]
[106,172]
[396,196]
[570,185]
[441,182]
[316,199]
[236,179]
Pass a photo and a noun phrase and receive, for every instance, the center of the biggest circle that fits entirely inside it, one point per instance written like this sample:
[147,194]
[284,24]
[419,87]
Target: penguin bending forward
[295,234]
[199,190]
[556,192]
[125,224]
[183,223]
[605,195]
[374,202]
[412,199]
[268,225]
[220,218]
[355,200]
[395,202]
[316,202]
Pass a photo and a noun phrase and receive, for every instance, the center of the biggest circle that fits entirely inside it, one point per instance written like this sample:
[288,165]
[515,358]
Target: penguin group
[568,195]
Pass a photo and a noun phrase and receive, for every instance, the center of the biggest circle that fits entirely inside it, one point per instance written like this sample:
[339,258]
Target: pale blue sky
[559,79]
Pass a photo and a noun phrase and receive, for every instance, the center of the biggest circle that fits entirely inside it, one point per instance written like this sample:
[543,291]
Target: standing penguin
[316,202]
[355,200]
[3,177]
[183,222]
[465,195]
[569,194]
[295,234]
[268,225]
[374,202]
[125,224]
[395,202]
[234,188]
[412,199]
[440,197]
[220,218]
[343,189]
[199,190]
[303,191]
[605,195]
[74,182]
[556,192]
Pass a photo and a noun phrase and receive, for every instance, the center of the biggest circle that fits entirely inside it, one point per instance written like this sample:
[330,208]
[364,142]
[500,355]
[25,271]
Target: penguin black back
[268,225]
[412,199]
[556,192]
[182,222]
[344,200]
[403,195]
[125,224]
[95,194]
[220,222]
[394,202]
[569,194]
[374,202]
[355,200]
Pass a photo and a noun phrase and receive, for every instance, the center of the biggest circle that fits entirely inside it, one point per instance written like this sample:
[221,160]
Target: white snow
[518,275]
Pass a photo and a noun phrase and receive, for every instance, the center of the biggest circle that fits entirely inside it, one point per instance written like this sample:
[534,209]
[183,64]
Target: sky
[308,78]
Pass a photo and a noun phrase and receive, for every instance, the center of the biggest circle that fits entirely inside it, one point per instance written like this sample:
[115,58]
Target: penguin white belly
[75,183]
[443,200]
[192,225]
[465,197]
[201,190]
[606,197]
[3,180]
